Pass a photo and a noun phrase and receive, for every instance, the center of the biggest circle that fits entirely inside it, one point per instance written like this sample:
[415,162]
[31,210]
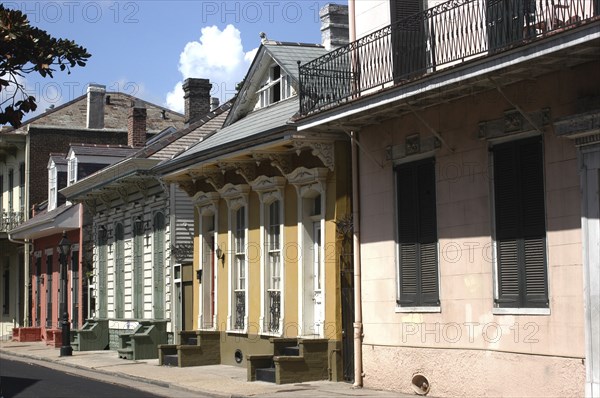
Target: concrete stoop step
[125,353]
[268,374]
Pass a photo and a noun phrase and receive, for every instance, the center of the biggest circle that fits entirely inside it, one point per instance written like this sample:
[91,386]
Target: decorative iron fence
[10,220]
[438,37]
[240,309]
[274,310]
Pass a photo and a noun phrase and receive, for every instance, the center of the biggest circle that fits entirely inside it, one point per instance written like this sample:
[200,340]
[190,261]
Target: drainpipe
[26,278]
[351,21]
[358,326]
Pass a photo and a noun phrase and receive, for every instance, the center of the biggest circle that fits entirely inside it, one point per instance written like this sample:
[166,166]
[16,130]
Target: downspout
[358,326]
[358,370]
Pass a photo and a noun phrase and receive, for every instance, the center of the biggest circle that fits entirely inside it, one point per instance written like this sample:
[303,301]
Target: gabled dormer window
[52,187]
[277,87]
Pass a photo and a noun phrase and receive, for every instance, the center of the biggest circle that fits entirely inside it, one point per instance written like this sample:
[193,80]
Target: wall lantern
[220,255]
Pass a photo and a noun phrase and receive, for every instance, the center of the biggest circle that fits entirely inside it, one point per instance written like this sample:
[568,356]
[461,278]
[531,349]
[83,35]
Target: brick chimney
[136,125]
[334,26]
[95,106]
[196,93]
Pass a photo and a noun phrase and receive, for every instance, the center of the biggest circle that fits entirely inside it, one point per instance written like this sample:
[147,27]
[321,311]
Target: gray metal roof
[260,121]
[287,55]
[102,150]
[58,158]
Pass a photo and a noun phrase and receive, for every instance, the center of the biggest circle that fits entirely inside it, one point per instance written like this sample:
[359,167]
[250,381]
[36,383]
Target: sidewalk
[216,380]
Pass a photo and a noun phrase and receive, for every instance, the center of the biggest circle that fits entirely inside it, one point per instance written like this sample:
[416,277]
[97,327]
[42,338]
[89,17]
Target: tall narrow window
[138,269]
[102,273]
[240,268]
[1,193]
[72,170]
[522,278]
[38,291]
[159,266]
[49,315]
[208,271]
[417,234]
[22,187]
[11,187]
[75,288]
[6,301]
[273,266]
[119,271]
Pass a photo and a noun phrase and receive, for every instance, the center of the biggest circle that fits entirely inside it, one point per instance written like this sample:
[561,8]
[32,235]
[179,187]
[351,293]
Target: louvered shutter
[533,224]
[159,284]
[520,224]
[427,233]
[506,199]
[417,234]
[119,270]
[407,234]
[138,273]
[408,38]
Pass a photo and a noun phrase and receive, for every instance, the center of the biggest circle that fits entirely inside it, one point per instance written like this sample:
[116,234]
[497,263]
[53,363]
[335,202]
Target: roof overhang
[109,175]
[64,218]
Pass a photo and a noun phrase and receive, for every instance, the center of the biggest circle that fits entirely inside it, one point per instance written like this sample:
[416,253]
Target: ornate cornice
[583,128]
[269,189]
[280,160]
[308,179]
[245,168]
[206,202]
[324,150]
[236,196]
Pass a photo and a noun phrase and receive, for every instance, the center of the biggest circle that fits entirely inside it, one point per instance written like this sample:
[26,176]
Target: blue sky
[147,48]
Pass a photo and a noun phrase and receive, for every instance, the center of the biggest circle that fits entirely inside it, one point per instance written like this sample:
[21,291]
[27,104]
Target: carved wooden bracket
[321,149]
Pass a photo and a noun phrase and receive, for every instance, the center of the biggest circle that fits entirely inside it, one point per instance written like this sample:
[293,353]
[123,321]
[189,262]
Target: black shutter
[427,232]
[417,234]
[407,234]
[520,224]
[408,39]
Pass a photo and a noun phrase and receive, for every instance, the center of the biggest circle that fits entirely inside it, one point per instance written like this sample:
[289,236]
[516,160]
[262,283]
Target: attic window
[276,88]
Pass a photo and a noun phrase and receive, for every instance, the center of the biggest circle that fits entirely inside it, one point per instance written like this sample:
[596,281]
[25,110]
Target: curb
[121,375]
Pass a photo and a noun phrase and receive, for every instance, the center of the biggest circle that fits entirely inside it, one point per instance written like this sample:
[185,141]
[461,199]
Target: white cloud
[218,56]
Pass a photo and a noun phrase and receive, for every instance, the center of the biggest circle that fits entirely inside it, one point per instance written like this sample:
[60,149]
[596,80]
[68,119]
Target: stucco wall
[466,323]
[473,373]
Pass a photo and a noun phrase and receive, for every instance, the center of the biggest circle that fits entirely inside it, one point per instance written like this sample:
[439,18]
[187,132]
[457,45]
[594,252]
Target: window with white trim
[277,87]
[239,268]
[72,170]
[273,227]
[52,186]
[520,224]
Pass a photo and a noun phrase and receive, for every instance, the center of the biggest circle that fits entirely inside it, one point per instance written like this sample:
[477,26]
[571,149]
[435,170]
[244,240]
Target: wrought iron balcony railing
[438,37]
[10,220]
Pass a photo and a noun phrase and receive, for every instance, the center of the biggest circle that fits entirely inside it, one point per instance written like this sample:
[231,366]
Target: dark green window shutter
[520,224]
[119,270]
[159,266]
[102,276]
[138,270]
[417,234]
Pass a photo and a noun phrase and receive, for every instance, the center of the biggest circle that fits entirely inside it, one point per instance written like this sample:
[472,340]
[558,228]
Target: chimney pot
[214,103]
[196,93]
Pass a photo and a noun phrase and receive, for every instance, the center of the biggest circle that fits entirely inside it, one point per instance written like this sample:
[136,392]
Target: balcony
[437,38]
[10,220]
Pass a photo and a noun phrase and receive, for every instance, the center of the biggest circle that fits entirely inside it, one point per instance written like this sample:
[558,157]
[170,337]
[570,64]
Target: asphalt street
[23,379]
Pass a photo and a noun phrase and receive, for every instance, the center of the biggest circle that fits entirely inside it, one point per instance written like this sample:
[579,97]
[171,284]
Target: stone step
[170,360]
[291,351]
[265,374]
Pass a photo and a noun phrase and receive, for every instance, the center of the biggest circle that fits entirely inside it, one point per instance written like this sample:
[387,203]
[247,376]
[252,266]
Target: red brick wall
[45,141]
